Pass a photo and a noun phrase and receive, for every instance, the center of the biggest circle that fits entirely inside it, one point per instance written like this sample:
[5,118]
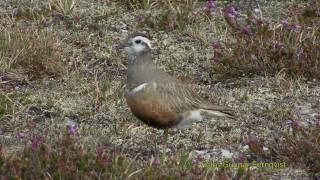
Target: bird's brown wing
[165,101]
[182,98]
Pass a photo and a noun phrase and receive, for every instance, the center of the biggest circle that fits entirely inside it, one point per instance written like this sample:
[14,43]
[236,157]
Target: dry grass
[30,51]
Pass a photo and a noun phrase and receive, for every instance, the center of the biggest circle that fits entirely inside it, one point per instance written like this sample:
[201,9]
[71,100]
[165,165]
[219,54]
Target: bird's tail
[220,111]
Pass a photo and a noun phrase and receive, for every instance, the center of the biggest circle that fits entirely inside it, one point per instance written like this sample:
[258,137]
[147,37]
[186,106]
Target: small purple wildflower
[20,135]
[36,142]
[317,12]
[72,128]
[285,24]
[102,155]
[200,158]
[216,45]
[197,171]
[251,139]
[1,131]
[231,11]
[301,54]
[295,27]
[216,60]
[194,14]
[246,30]
[140,18]
[296,124]
[210,6]
[155,162]
[241,157]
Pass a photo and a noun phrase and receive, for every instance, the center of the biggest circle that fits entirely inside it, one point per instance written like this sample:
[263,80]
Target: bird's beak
[120,46]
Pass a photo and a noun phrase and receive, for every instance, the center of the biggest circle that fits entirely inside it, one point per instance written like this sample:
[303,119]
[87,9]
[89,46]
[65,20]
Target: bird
[159,99]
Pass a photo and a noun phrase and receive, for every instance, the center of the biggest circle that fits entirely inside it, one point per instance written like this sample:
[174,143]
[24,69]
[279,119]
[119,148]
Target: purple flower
[200,157]
[301,54]
[285,24]
[296,124]
[197,171]
[216,60]
[216,45]
[251,139]
[102,155]
[72,128]
[241,157]
[295,27]
[231,11]
[141,18]
[21,135]
[246,30]
[155,161]
[36,142]
[210,6]
[1,131]
[317,116]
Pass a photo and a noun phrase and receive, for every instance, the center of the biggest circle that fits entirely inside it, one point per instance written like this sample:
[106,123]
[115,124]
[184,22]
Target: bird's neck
[139,68]
[141,58]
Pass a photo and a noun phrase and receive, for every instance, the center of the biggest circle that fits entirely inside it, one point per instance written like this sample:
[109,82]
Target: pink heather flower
[194,14]
[246,30]
[155,162]
[295,27]
[197,171]
[210,6]
[285,23]
[102,155]
[21,135]
[296,124]
[72,128]
[251,139]
[140,18]
[36,142]
[216,58]
[241,157]
[231,11]
[301,54]
[200,157]
[216,45]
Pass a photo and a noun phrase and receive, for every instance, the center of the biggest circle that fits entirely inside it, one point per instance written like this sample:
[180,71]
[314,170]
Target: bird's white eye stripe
[143,39]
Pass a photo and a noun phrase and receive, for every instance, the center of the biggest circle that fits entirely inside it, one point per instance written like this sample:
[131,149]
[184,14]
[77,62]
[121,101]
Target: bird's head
[136,44]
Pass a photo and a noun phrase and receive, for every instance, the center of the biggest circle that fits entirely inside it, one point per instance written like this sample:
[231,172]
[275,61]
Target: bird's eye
[137,41]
